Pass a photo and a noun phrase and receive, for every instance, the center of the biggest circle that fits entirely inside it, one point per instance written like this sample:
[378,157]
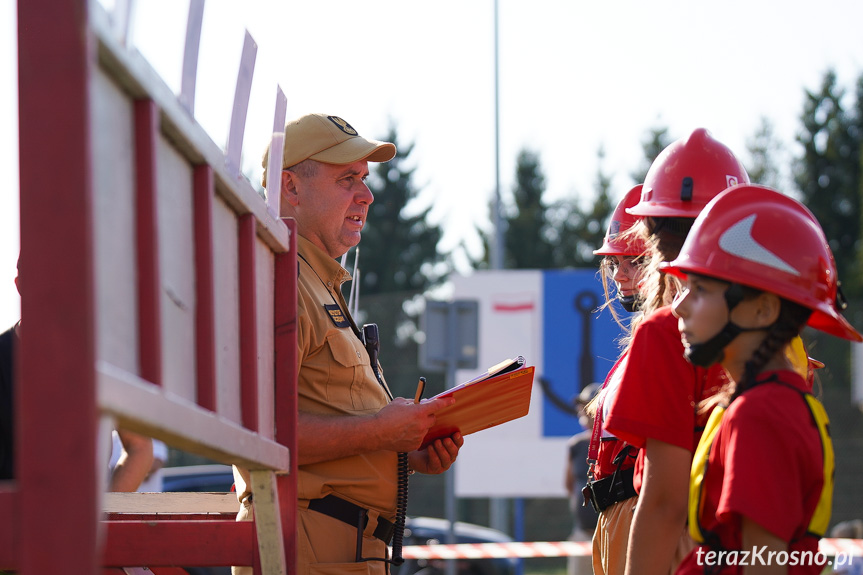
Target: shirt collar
[329,270]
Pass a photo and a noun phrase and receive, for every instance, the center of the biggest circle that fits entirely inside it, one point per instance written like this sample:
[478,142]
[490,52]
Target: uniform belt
[349,513]
[607,491]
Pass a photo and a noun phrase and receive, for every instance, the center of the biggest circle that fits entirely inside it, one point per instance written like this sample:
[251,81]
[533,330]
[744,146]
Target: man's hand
[436,457]
[401,425]
[405,423]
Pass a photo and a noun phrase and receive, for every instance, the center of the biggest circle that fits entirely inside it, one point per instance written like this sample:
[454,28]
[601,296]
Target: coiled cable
[401,510]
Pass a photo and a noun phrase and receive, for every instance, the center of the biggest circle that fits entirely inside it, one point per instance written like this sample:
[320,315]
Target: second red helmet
[686,175]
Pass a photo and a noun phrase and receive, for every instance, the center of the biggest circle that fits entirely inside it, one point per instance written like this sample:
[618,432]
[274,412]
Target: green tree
[398,262]
[575,232]
[657,140]
[828,173]
[562,234]
[525,243]
[398,252]
[764,149]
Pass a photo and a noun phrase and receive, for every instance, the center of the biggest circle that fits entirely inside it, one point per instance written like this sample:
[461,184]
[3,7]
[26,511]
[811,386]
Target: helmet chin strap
[713,350]
[630,303]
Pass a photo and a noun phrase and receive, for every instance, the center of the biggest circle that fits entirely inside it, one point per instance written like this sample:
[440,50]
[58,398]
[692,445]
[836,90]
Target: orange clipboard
[497,396]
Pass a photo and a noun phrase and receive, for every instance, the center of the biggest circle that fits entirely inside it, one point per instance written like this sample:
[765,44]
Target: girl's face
[701,309]
[626,273]
[702,312]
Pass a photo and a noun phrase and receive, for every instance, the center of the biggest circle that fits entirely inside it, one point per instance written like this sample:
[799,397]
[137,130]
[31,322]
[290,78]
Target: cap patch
[730,180]
[337,315]
[738,241]
[343,126]
[613,229]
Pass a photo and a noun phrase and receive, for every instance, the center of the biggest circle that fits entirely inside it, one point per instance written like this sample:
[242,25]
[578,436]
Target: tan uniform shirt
[336,378]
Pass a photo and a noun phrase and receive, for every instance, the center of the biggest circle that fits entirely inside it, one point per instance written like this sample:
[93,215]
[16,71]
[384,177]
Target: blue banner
[580,343]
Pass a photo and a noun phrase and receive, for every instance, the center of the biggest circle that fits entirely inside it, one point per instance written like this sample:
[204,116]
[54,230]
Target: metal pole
[498,508]
[449,503]
[518,529]
[498,249]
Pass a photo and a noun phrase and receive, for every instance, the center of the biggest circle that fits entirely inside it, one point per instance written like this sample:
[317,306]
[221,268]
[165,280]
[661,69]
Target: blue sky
[573,76]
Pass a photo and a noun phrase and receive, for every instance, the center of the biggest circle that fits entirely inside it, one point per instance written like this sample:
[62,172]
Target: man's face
[331,206]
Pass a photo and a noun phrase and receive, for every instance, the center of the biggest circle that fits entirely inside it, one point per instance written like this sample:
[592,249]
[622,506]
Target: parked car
[433,531]
[198,478]
[418,530]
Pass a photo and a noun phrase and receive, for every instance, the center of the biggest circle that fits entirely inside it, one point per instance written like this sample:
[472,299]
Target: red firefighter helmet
[761,238]
[628,245]
[686,175]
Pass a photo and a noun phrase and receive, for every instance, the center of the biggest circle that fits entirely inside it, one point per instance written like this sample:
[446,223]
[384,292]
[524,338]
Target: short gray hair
[306,169]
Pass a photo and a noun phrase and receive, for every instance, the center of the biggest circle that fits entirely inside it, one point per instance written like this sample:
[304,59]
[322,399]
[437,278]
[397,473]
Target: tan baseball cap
[328,139]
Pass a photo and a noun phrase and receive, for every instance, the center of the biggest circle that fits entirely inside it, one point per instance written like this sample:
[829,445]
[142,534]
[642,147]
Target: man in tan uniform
[350,429]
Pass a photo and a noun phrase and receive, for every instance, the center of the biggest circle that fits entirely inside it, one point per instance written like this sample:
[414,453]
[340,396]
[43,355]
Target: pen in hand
[420,388]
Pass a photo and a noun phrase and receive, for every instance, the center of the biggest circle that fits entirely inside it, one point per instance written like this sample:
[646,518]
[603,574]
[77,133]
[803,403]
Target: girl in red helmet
[750,288]
[610,488]
[655,407]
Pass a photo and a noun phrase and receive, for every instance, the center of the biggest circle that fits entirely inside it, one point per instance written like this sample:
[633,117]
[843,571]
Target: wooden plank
[147,242]
[274,160]
[132,71]
[265,290]
[169,543]
[234,146]
[190,56]
[58,352]
[144,408]
[169,502]
[268,523]
[226,273]
[175,180]
[248,322]
[112,129]
[205,329]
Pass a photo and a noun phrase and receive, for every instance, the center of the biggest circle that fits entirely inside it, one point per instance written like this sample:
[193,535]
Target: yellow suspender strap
[699,468]
[821,517]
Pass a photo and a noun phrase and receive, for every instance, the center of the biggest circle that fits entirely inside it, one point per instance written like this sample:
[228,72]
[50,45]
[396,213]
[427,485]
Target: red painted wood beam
[147,241]
[286,387]
[205,310]
[9,543]
[248,321]
[179,543]
[56,400]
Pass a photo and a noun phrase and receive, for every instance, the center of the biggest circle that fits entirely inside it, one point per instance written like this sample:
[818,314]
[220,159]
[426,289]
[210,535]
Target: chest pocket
[351,383]
[820,518]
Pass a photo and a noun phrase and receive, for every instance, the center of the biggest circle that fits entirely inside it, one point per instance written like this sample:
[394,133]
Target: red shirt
[766,464]
[660,390]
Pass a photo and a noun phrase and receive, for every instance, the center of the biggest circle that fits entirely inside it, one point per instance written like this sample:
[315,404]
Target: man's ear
[289,188]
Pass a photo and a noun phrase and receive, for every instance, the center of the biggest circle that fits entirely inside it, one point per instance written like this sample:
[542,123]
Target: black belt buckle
[607,491]
[589,497]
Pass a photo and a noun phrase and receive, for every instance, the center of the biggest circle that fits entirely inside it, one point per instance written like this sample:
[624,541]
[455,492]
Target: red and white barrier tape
[829,547]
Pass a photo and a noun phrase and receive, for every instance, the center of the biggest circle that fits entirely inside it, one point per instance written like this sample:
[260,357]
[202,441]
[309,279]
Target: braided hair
[792,318]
